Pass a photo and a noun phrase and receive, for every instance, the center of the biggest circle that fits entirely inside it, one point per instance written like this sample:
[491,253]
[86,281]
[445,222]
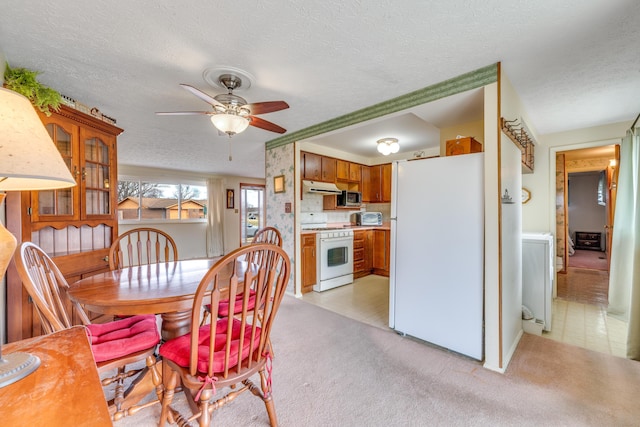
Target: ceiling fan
[231,113]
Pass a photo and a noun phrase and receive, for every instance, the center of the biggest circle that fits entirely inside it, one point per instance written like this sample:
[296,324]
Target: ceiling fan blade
[200,94]
[267,107]
[182,113]
[263,124]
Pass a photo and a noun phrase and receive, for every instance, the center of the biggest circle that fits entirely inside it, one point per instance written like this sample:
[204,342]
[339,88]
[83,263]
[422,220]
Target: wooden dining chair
[264,235]
[142,246]
[268,235]
[115,345]
[228,351]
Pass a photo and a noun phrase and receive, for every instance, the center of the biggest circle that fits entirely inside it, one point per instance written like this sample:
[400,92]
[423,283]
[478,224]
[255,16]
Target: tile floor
[366,300]
[576,323]
[587,326]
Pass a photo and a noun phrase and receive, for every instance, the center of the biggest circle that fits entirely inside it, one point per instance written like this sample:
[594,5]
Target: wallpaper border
[472,80]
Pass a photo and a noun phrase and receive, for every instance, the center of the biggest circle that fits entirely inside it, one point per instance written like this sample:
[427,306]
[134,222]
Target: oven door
[336,257]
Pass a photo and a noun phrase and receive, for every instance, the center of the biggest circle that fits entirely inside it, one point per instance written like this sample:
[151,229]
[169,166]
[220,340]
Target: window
[165,201]
[251,211]
[602,198]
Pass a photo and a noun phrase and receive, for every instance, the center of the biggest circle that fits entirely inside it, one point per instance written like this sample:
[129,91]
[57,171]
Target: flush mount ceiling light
[387,146]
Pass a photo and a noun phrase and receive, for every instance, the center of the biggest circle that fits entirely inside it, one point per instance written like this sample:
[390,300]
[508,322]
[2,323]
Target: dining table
[165,288]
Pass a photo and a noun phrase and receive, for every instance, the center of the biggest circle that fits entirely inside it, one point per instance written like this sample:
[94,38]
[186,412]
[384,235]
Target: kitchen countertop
[386,225]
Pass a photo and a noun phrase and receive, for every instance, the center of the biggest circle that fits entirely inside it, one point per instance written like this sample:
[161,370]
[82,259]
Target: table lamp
[29,160]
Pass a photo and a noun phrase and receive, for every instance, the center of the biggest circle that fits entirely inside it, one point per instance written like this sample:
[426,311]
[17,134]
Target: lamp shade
[230,123]
[29,160]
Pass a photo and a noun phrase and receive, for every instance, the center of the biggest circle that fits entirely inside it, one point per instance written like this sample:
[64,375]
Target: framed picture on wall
[229,199]
[278,184]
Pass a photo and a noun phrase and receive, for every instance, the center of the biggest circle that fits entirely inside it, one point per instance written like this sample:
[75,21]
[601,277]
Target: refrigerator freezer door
[438,262]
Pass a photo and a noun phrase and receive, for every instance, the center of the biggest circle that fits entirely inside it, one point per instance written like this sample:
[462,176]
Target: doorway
[585,203]
[252,211]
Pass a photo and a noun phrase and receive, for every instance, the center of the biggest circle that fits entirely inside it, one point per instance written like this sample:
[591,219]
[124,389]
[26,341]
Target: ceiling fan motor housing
[230,99]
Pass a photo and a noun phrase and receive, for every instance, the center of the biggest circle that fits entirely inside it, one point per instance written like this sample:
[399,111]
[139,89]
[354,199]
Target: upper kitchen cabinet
[347,171]
[376,183]
[318,168]
[465,145]
[74,226]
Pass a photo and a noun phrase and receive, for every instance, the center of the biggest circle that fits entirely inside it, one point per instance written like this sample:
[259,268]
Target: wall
[281,161]
[585,214]
[189,236]
[503,259]
[511,179]
[492,297]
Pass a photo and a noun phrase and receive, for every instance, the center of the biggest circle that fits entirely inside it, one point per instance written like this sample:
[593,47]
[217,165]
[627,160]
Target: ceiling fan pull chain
[230,157]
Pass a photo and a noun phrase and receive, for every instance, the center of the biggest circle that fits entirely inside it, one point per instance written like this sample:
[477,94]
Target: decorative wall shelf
[517,132]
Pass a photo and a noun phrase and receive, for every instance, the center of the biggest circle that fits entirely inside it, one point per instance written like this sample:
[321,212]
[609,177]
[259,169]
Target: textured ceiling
[574,63]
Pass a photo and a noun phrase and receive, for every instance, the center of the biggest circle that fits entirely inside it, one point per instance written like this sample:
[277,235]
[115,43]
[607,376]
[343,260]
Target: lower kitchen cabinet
[381,249]
[371,252]
[308,265]
[362,253]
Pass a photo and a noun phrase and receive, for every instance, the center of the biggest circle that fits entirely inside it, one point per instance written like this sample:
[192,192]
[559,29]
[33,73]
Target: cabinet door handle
[84,174]
[76,172]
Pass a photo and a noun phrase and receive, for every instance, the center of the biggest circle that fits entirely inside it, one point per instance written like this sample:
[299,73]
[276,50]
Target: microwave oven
[349,199]
[366,218]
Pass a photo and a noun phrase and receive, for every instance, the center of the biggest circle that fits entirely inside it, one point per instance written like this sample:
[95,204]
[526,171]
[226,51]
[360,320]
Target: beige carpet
[332,371]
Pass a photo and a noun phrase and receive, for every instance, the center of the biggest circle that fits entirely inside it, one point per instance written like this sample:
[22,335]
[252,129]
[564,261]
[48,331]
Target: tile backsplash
[314,203]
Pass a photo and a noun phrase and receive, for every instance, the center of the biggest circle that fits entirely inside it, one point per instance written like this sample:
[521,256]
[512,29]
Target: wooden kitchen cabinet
[381,252]
[318,167]
[362,253]
[376,183]
[308,266]
[466,145]
[312,166]
[347,171]
[74,226]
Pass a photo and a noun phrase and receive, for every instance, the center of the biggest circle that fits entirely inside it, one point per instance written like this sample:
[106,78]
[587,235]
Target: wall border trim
[471,80]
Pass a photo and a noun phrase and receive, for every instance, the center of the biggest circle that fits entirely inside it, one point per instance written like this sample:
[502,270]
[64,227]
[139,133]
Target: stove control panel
[335,233]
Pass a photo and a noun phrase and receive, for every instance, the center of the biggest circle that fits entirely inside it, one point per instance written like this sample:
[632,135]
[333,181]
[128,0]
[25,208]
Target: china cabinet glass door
[96,174]
[61,203]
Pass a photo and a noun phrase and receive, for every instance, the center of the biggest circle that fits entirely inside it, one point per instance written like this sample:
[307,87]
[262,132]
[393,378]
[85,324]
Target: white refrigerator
[437,251]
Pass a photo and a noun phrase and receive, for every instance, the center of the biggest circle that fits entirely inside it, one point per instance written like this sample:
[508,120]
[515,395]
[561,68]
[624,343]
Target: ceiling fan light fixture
[230,124]
[388,146]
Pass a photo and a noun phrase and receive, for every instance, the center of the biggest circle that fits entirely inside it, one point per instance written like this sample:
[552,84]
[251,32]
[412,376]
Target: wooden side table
[64,389]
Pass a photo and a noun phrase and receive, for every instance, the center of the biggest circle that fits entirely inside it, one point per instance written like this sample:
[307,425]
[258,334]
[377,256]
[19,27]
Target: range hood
[320,187]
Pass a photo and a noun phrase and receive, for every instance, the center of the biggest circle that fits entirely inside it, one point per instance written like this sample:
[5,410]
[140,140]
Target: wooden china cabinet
[75,226]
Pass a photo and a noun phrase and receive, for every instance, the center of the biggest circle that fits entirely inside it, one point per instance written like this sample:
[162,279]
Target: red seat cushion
[122,337]
[178,349]
[223,306]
